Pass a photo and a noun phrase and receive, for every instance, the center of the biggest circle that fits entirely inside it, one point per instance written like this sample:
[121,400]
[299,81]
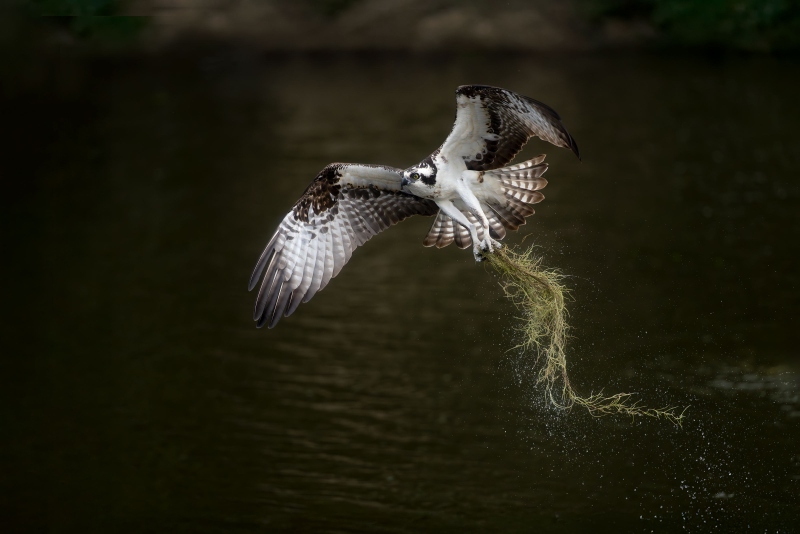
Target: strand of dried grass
[539,294]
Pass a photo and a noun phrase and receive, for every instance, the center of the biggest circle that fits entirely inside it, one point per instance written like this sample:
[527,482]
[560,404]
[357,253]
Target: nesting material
[538,293]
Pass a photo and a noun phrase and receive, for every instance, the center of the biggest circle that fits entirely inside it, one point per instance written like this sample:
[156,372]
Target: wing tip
[253,282]
[471,90]
[264,260]
[573,145]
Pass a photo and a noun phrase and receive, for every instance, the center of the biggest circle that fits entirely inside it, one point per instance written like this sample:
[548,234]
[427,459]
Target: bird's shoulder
[354,180]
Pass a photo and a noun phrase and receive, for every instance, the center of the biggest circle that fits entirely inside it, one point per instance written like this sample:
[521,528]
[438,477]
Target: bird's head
[420,178]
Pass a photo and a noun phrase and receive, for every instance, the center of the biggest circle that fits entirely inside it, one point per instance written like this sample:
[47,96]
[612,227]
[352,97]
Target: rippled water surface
[138,395]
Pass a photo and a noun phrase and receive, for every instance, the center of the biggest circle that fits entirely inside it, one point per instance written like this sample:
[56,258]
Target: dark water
[138,395]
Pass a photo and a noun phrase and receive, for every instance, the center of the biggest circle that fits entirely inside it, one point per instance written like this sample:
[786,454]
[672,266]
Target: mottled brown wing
[343,208]
[493,124]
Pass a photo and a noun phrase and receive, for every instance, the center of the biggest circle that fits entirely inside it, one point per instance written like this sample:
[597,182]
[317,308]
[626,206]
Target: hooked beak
[404,182]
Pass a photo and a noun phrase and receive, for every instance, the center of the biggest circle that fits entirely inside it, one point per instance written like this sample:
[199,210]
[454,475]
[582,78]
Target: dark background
[146,161]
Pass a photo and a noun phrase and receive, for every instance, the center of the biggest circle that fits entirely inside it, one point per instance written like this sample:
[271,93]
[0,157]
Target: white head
[420,178]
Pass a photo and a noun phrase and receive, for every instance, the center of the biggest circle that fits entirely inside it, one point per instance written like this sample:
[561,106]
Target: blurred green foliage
[739,24]
[89,18]
[762,25]
[76,8]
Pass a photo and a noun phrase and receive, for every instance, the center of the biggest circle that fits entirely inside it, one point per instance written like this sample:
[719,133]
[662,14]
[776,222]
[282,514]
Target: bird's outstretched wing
[343,208]
[493,124]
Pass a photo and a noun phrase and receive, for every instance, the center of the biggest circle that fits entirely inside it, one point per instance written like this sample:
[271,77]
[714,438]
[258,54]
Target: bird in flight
[463,183]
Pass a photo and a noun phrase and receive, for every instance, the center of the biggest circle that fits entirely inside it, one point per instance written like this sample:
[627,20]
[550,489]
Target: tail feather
[435,234]
[512,219]
[521,166]
[442,232]
[462,237]
[523,195]
[496,228]
[520,184]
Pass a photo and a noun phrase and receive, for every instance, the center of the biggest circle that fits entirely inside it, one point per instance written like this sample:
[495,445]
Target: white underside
[459,192]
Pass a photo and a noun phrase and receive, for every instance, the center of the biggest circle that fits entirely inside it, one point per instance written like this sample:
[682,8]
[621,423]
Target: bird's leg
[473,204]
[454,213]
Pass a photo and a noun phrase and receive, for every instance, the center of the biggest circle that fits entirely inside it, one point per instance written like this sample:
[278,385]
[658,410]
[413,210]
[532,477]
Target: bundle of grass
[539,294]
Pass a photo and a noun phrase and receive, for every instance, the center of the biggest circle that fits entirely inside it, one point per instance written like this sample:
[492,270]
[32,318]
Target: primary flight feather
[475,199]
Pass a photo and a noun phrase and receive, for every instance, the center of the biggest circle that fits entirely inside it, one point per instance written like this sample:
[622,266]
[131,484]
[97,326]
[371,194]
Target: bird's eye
[415,176]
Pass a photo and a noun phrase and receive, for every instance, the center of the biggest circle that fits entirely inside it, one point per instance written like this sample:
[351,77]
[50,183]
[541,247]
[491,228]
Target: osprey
[464,184]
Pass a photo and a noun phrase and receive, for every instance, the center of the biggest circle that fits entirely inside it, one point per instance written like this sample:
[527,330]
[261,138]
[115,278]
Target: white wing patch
[493,124]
